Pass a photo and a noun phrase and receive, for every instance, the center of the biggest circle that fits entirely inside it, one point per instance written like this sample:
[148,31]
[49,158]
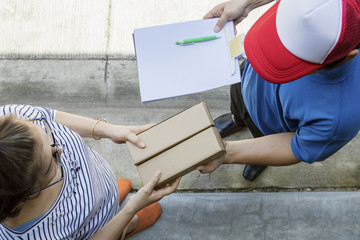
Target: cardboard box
[184,157]
[178,145]
[171,131]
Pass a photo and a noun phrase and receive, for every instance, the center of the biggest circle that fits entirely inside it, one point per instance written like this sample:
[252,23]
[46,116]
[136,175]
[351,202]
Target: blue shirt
[322,109]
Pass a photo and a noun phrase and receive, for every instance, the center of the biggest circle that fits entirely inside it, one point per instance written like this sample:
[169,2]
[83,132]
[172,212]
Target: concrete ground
[270,216]
[77,56]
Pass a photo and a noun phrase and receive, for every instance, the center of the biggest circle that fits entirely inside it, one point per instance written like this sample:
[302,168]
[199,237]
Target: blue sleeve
[310,145]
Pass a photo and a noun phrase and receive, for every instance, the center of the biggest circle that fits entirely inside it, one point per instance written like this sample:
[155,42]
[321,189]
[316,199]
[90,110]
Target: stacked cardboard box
[177,145]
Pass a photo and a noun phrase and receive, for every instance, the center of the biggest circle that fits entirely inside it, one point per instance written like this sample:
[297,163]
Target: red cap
[294,38]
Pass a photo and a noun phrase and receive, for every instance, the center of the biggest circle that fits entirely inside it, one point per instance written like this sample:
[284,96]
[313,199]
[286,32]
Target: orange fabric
[124,186]
[146,217]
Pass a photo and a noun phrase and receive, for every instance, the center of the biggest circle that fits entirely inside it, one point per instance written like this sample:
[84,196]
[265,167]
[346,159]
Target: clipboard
[168,70]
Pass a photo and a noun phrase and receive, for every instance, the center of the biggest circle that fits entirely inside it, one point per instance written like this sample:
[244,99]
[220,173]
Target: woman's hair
[18,168]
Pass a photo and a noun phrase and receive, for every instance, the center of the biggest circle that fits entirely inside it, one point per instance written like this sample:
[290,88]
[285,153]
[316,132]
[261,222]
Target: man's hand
[213,165]
[236,10]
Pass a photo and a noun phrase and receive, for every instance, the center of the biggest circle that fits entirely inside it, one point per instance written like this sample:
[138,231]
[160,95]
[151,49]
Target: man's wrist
[230,155]
[253,4]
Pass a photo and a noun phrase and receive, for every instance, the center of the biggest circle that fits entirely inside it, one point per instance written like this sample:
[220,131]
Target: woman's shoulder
[27,111]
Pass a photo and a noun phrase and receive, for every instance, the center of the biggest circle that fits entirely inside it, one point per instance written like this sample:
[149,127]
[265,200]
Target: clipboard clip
[236,46]
[236,50]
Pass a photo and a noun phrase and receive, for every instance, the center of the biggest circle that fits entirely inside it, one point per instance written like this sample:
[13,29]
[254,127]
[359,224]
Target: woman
[52,186]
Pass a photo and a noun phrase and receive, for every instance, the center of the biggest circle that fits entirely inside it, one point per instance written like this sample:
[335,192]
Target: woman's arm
[144,197]
[86,127]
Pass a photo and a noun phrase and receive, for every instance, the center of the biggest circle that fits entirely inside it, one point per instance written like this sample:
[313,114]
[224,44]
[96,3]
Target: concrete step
[36,29]
[261,216]
[101,88]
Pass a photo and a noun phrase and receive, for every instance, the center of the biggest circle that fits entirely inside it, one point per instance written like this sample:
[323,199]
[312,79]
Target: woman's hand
[236,10]
[120,134]
[148,194]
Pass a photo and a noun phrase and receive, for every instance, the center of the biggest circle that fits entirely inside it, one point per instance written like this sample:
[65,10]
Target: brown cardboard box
[170,132]
[178,145]
[183,157]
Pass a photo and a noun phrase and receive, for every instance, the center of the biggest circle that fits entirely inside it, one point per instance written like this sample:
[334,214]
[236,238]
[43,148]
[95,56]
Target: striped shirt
[89,196]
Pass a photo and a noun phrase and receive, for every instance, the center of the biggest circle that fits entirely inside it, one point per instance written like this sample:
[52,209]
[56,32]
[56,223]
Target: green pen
[196,40]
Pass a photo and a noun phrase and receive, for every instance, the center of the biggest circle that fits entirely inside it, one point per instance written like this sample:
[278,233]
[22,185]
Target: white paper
[169,70]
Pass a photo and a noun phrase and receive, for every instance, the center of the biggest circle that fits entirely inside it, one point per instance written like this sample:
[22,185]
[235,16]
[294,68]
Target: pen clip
[196,40]
[185,44]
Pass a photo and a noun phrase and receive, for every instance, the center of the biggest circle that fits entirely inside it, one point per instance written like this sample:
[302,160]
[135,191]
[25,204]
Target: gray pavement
[268,216]
[77,56]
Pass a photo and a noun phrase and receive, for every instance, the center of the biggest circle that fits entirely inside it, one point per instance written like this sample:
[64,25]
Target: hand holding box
[178,145]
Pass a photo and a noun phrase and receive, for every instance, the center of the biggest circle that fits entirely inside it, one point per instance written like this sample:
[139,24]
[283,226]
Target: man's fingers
[214,13]
[208,168]
[208,15]
[220,24]
[200,168]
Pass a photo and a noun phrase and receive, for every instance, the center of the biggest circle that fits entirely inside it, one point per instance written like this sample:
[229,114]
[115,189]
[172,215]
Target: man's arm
[271,150]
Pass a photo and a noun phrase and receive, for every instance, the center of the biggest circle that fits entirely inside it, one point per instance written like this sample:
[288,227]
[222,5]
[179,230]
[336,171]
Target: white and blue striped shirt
[89,196]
